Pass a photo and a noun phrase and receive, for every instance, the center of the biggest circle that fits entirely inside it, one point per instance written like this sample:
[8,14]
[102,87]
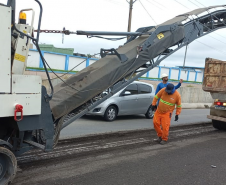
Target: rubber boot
[163,142]
[158,140]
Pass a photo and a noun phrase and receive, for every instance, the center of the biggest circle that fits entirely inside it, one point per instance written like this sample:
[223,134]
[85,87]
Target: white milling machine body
[25,112]
[16,88]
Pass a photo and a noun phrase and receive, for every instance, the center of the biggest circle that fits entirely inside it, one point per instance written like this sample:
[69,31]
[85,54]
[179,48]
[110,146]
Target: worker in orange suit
[169,97]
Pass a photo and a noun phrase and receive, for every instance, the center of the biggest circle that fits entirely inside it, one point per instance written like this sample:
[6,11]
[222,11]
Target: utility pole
[131,2]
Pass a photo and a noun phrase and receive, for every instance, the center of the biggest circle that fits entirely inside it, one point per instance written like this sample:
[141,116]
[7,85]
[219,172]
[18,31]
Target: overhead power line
[222,52]
[148,12]
[194,3]
[115,2]
[217,39]
[200,3]
[220,35]
[182,4]
[159,3]
[154,5]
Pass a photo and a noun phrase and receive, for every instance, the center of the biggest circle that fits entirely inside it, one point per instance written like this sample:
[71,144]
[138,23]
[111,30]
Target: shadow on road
[119,118]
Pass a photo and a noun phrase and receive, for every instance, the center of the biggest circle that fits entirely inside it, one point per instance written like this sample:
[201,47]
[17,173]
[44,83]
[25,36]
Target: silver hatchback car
[136,98]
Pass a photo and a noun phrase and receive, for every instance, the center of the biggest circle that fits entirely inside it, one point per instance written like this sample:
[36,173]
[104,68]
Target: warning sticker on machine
[160,36]
[20,57]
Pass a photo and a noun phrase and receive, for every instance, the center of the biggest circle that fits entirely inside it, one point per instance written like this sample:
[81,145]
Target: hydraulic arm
[145,49]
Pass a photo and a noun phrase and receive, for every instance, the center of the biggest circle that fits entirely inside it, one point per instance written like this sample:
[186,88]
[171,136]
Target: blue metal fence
[179,72]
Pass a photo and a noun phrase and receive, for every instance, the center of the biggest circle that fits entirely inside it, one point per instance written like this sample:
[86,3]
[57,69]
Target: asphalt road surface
[184,162]
[194,155]
[95,124]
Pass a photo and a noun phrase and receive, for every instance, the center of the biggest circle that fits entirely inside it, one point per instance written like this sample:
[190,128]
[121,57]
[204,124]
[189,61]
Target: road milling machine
[31,118]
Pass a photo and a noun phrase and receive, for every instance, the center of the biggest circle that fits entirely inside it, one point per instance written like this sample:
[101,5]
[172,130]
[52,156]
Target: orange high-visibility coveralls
[164,111]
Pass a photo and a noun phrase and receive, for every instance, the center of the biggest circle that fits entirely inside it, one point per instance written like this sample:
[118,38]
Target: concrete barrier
[194,95]
[193,98]
[196,105]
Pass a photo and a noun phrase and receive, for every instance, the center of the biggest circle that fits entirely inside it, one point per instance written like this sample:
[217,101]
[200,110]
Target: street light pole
[131,2]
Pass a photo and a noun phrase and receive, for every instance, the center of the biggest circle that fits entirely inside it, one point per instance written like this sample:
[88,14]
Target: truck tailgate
[214,76]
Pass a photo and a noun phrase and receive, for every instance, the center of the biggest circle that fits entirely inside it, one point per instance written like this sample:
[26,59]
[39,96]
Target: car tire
[149,114]
[219,124]
[111,113]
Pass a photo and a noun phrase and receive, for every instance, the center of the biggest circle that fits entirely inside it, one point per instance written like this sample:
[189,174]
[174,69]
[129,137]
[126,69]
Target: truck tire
[219,124]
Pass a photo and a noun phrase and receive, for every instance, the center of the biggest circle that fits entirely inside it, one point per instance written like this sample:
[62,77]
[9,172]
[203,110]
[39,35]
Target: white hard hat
[164,75]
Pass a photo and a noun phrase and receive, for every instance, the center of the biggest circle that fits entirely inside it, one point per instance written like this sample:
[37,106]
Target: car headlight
[96,110]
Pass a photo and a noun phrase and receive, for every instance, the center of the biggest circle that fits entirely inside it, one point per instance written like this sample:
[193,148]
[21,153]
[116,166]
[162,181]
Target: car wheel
[111,113]
[149,114]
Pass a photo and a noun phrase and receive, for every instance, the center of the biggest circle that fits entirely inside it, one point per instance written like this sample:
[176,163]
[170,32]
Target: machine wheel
[8,166]
[149,114]
[111,113]
[219,124]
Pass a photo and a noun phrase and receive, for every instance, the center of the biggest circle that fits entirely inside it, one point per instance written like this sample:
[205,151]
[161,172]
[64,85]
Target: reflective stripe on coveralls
[167,103]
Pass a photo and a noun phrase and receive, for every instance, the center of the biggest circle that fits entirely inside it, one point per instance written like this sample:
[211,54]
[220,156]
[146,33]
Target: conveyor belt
[141,54]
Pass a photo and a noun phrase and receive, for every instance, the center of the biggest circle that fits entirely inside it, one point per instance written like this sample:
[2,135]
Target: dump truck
[214,81]
[31,118]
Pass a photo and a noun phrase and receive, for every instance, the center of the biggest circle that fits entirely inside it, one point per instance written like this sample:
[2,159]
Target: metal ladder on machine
[193,29]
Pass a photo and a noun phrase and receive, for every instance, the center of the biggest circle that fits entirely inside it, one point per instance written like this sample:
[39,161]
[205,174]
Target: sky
[112,15]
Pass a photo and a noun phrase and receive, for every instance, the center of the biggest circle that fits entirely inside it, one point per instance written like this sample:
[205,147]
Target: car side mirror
[103,94]
[126,93]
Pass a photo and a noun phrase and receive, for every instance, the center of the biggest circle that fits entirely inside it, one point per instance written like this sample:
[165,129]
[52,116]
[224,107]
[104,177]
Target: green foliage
[89,56]
[42,69]
[189,86]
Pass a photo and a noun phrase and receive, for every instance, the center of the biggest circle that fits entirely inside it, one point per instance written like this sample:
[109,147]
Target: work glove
[176,118]
[153,107]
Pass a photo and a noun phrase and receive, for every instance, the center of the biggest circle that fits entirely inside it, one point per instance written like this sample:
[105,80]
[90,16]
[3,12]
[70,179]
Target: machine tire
[219,125]
[111,113]
[8,166]
[149,114]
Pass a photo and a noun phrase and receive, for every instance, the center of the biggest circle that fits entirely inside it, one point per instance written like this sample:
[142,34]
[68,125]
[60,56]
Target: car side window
[133,89]
[144,89]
